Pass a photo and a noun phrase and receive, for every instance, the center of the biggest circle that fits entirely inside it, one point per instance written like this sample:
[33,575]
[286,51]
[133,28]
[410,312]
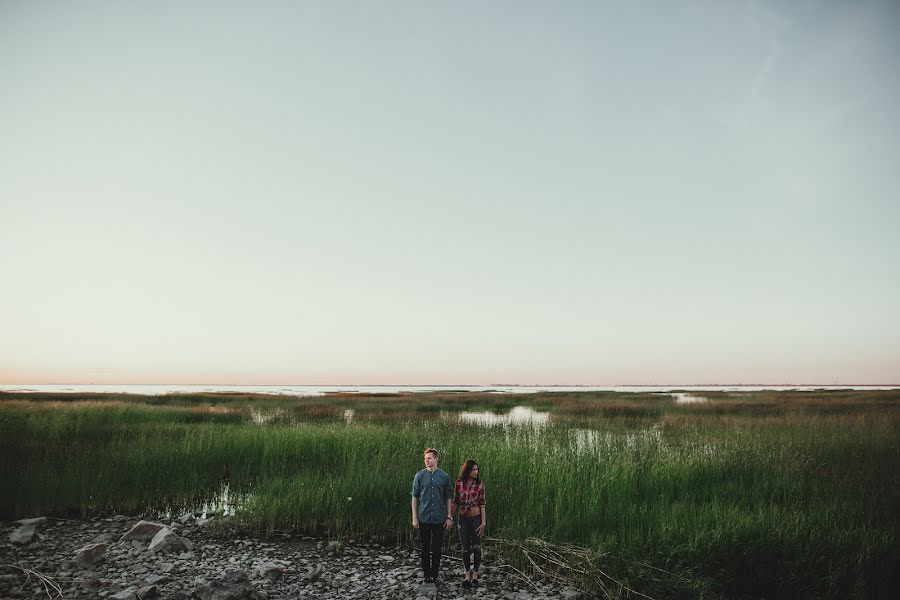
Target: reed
[775,495]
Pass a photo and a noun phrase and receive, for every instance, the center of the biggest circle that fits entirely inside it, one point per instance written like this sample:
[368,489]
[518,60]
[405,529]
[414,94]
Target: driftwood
[53,589]
[563,563]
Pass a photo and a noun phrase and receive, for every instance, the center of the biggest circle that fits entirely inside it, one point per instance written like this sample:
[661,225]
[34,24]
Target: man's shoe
[474,583]
[467,584]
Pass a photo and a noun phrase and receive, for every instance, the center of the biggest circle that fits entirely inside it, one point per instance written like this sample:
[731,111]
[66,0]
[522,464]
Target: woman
[468,501]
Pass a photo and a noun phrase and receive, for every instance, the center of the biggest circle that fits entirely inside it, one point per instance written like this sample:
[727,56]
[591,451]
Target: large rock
[142,531]
[270,570]
[234,585]
[22,535]
[167,540]
[90,554]
[128,594]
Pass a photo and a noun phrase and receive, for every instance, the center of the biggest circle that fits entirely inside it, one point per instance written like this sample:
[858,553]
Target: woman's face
[473,473]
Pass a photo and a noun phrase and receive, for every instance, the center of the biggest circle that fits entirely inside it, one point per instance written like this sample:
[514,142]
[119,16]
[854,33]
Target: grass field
[743,495]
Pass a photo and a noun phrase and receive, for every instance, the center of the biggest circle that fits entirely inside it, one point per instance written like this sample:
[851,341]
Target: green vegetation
[775,495]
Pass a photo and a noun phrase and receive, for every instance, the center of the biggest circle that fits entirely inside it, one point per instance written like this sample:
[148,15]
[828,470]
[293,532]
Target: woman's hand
[480,529]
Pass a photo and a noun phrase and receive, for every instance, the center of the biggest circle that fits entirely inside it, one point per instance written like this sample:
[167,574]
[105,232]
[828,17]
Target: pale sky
[598,193]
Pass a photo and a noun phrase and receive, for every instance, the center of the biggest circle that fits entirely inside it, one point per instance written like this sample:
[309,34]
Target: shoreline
[277,566]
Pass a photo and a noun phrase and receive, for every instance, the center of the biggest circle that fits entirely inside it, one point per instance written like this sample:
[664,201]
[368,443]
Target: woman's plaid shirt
[468,495]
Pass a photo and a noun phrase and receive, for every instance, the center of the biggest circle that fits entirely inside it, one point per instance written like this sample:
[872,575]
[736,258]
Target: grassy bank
[774,494]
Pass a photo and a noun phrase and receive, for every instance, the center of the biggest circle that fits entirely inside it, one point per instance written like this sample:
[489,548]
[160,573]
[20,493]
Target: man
[431,497]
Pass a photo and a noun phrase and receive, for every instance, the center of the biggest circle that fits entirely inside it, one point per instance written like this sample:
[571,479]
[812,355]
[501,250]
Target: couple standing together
[433,506]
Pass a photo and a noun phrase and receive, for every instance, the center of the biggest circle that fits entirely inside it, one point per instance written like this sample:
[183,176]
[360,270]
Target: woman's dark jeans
[431,538]
[470,540]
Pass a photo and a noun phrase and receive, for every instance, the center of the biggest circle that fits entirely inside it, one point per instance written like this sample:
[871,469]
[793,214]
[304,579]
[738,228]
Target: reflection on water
[683,398]
[261,418]
[224,504]
[612,442]
[520,415]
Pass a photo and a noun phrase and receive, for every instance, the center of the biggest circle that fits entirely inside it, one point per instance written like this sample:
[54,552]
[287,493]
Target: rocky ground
[124,558]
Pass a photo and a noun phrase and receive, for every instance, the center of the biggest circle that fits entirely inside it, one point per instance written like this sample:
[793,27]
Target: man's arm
[449,522]
[415,512]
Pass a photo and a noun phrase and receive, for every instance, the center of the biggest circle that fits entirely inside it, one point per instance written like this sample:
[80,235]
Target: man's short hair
[432,451]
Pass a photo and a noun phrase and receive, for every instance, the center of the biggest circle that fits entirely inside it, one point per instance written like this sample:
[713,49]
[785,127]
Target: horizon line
[473,384]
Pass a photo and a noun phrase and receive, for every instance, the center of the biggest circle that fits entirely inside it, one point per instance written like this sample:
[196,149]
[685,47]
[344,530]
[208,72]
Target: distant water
[321,390]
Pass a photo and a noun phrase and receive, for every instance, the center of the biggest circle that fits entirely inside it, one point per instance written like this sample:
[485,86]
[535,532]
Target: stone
[147,592]
[126,594]
[90,554]
[157,579]
[271,571]
[142,531]
[335,547]
[22,535]
[314,573]
[35,522]
[234,585]
[167,540]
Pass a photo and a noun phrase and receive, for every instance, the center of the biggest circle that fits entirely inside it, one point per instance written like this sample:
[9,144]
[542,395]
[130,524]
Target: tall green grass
[768,495]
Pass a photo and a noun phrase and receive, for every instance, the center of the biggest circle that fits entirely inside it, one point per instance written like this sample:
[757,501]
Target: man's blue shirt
[433,490]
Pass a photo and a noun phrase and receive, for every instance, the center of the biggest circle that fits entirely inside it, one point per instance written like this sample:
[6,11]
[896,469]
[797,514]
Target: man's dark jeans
[431,538]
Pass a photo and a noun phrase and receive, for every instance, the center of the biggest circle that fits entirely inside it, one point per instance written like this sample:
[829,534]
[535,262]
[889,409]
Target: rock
[335,547]
[271,571]
[90,554]
[339,581]
[127,594]
[155,580]
[147,592]
[22,535]
[89,582]
[142,531]
[167,540]
[314,573]
[166,567]
[235,585]
[35,522]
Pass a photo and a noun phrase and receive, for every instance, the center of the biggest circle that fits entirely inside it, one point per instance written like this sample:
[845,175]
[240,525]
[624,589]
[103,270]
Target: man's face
[430,460]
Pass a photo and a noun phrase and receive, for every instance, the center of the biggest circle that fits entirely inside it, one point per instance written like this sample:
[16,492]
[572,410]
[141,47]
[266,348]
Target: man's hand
[415,522]
[448,524]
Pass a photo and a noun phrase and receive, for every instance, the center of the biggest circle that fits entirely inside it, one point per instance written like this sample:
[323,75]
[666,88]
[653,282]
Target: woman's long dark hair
[466,469]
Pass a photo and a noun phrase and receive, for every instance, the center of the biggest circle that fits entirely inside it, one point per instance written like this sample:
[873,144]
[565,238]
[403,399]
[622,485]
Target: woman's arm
[481,502]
